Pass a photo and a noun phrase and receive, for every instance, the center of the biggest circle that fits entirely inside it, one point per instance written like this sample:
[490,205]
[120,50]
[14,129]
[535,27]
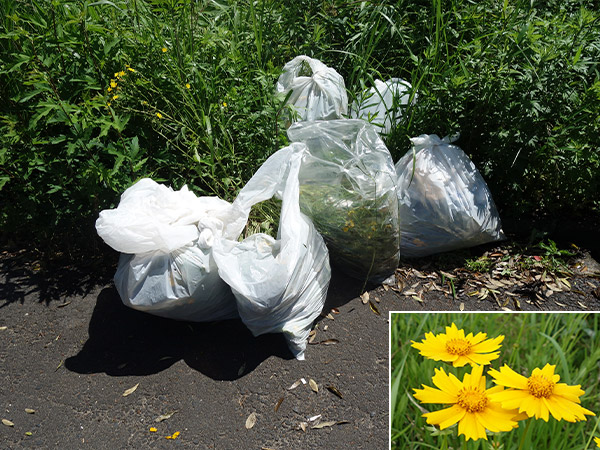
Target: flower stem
[522,441]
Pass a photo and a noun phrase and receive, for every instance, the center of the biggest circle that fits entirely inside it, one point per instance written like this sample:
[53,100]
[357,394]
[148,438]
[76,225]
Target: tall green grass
[569,341]
[518,79]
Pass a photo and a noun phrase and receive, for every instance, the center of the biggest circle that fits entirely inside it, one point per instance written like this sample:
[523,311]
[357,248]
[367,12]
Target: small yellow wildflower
[159,115]
[113,84]
[470,404]
[597,441]
[164,49]
[153,430]
[459,349]
[130,69]
[345,229]
[224,104]
[121,73]
[115,96]
[174,436]
[108,104]
[109,89]
[540,395]
[187,85]
[116,74]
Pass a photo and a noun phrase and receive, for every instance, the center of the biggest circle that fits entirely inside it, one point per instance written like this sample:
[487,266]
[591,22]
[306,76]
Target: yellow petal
[488,346]
[534,407]
[482,359]
[445,417]
[431,395]
[471,428]
[571,393]
[508,378]
[496,419]
[447,383]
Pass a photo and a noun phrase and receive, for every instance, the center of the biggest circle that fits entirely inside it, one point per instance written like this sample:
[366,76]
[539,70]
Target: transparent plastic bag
[280,284]
[348,189]
[382,104]
[444,202]
[166,267]
[318,91]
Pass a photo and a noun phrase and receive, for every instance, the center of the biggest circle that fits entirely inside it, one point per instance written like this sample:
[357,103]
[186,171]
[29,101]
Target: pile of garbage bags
[342,200]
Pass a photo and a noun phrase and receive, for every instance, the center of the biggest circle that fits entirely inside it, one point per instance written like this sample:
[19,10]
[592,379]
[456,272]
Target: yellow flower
[540,395]
[109,89]
[471,407]
[113,84]
[108,104]
[115,96]
[153,430]
[224,104]
[164,49]
[130,69]
[187,85]
[453,346]
[174,436]
[121,73]
[159,115]
[116,74]
[597,441]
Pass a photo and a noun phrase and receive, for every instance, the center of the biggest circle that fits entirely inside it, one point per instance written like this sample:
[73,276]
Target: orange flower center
[472,399]
[539,386]
[458,346]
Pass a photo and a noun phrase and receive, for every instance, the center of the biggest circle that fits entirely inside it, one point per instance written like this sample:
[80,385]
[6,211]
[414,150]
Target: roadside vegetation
[95,95]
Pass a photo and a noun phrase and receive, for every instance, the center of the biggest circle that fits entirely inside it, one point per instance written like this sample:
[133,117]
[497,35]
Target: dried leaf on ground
[8,423]
[297,383]
[164,416]
[30,411]
[329,423]
[131,390]
[251,421]
[329,342]
[313,385]
[278,404]
[364,297]
[3,328]
[374,308]
[335,391]
[62,305]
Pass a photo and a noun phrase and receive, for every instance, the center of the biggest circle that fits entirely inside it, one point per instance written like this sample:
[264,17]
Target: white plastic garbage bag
[166,237]
[280,284]
[318,91]
[444,202]
[382,104]
[348,189]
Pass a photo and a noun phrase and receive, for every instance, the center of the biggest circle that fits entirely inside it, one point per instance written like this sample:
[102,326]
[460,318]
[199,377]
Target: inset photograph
[508,381]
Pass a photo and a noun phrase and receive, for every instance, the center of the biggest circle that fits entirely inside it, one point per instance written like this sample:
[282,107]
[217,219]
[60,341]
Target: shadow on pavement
[125,342]
[23,275]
